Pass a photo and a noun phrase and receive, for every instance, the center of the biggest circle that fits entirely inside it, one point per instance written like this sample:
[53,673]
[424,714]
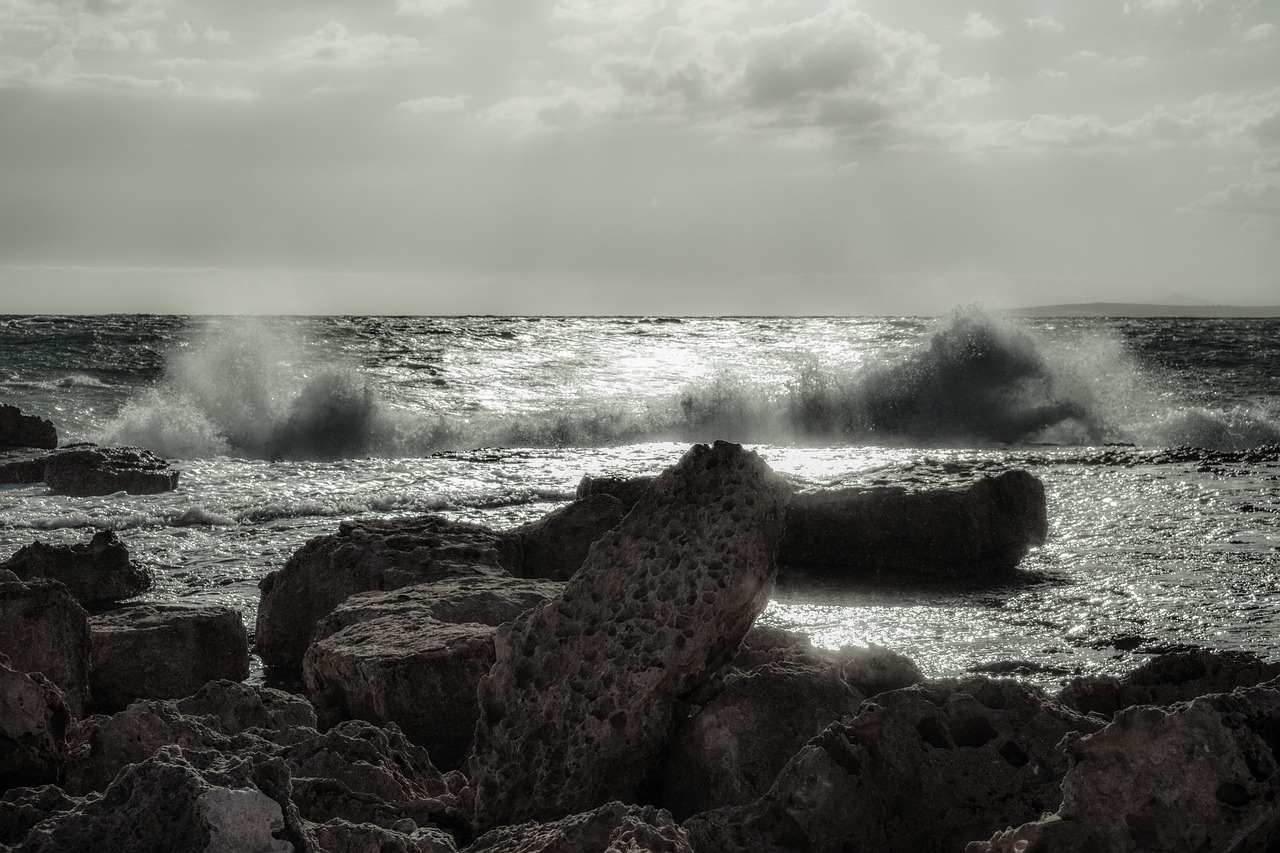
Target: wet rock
[1163,680]
[982,529]
[365,556]
[582,697]
[43,629]
[780,693]
[628,490]
[181,800]
[1200,775]
[164,651]
[33,729]
[612,828]
[22,466]
[97,572]
[19,430]
[555,546]
[84,470]
[923,768]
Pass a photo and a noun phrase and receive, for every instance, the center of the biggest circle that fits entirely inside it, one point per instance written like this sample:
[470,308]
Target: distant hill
[1142,309]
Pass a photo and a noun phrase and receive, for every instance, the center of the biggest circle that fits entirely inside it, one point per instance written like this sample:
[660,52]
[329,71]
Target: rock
[364,556]
[19,430]
[84,470]
[982,529]
[730,750]
[22,466]
[341,836]
[1169,678]
[95,573]
[582,697]
[164,651]
[555,546]
[1201,775]
[23,808]
[237,707]
[181,800]
[928,767]
[611,828]
[415,655]
[43,629]
[629,490]
[33,729]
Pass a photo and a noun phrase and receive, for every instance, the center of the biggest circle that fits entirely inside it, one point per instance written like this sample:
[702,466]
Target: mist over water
[249,389]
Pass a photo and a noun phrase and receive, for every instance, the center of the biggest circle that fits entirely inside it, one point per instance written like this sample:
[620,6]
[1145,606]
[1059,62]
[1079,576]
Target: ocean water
[284,426]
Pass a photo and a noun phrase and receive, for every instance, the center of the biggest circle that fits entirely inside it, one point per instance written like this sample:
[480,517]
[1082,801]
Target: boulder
[415,656]
[22,466]
[33,729]
[729,750]
[610,828]
[183,801]
[342,836]
[584,692]
[628,490]
[43,629]
[164,651]
[555,545]
[922,768]
[1201,775]
[23,808]
[363,556]
[982,529]
[19,430]
[84,470]
[95,573]
[237,707]
[1168,678]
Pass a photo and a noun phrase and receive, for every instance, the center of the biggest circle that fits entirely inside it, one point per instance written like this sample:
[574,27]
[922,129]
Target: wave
[247,389]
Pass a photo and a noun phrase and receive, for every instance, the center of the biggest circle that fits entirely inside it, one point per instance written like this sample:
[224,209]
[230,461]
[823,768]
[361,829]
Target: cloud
[1257,195]
[435,106]
[428,8]
[1046,23]
[979,26]
[334,45]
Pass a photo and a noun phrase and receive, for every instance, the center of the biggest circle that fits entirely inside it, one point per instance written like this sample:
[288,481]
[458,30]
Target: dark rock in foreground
[22,466]
[43,629]
[1166,679]
[981,529]
[33,724]
[164,651]
[19,430]
[1196,776]
[611,828]
[923,768]
[85,470]
[364,556]
[96,572]
[554,546]
[582,698]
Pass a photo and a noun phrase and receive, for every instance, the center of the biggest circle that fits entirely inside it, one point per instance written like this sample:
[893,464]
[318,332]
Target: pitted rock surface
[33,728]
[583,695]
[369,555]
[928,767]
[43,629]
[1201,775]
[95,572]
[611,828]
[84,470]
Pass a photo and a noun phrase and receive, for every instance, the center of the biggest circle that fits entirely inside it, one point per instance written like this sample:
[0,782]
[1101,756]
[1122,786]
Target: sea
[1158,442]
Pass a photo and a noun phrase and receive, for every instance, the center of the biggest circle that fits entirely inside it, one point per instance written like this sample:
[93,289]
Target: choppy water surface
[284,426]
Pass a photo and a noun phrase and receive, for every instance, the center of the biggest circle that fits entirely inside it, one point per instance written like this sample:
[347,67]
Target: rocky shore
[595,681]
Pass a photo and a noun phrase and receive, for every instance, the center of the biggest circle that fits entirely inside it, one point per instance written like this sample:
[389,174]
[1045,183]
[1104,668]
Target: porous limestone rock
[237,707]
[23,808]
[19,430]
[84,470]
[342,836]
[33,728]
[95,573]
[1168,678]
[582,697]
[610,828]
[164,651]
[981,529]
[629,490]
[415,655]
[1201,775]
[555,545]
[363,556]
[922,768]
[43,629]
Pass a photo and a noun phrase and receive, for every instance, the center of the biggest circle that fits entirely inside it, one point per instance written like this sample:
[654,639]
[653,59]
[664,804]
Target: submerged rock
[1201,775]
[43,629]
[364,556]
[164,651]
[922,768]
[19,430]
[582,698]
[84,470]
[97,572]
[981,529]
[415,656]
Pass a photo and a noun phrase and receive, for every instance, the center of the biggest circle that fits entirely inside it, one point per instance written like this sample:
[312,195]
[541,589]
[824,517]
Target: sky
[636,156]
